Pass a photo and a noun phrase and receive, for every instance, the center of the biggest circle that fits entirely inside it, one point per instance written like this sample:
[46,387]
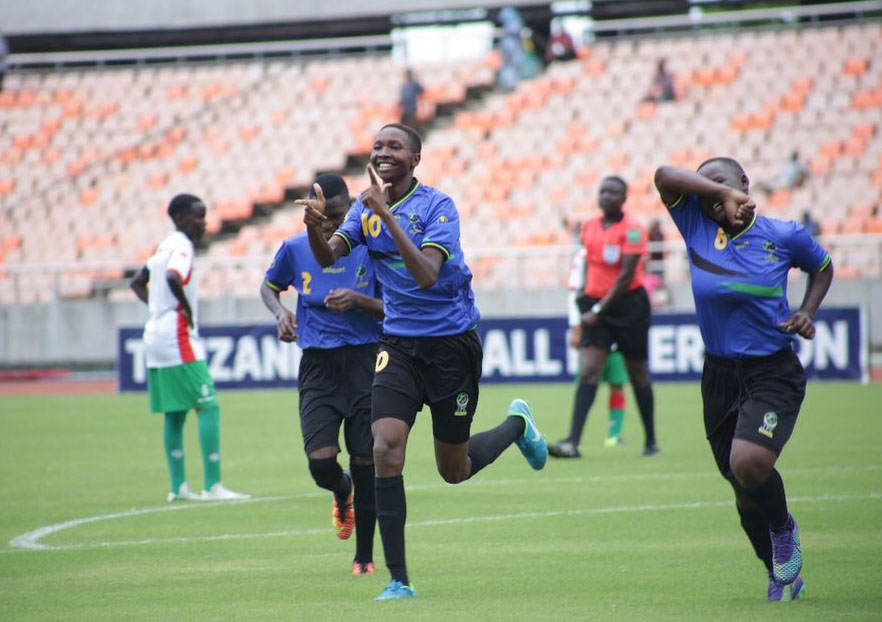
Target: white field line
[31,540]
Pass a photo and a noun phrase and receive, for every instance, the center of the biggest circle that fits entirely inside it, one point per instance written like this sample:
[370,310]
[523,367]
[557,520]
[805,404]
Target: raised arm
[673,182]
[423,264]
[326,252]
[139,284]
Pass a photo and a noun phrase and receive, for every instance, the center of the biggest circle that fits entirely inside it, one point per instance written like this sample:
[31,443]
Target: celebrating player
[615,310]
[337,326]
[753,384]
[177,376]
[429,352]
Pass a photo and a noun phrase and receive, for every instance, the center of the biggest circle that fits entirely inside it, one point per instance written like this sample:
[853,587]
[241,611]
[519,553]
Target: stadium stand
[90,157]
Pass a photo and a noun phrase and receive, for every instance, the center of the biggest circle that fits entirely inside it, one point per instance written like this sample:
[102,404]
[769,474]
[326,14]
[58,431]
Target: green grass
[608,537]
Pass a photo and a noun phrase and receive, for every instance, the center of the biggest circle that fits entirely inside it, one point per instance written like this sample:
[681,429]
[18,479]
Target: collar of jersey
[406,196]
[746,229]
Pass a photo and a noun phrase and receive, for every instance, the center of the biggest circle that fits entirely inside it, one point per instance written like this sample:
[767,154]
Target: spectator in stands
[792,175]
[177,374]
[662,87]
[4,52]
[560,44]
[411,91]
[811,227]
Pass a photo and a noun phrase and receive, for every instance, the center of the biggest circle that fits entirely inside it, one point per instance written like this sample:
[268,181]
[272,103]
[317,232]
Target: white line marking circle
[31,540]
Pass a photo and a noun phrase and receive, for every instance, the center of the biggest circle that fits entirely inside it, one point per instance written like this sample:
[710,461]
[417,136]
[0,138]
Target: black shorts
[754,399]
[335,388]
[625,323]
[442,372]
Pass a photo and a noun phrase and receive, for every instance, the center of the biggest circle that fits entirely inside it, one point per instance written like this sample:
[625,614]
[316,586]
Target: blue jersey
[740,282]
[430,219]
[318,326]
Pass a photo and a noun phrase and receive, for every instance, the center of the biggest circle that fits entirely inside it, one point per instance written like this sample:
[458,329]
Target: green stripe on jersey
[761,291]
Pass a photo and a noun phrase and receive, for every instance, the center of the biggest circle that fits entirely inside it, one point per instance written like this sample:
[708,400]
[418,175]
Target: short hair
[413,137]
[618,180]
[332,186]
[181,203]
[730,163]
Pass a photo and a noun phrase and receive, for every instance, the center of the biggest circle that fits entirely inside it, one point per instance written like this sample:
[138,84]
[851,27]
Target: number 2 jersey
[740,282]
[430,219]
[317,326]
[168,340]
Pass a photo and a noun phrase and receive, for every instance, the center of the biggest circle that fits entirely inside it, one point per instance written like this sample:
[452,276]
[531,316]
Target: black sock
[772,500]
[485,447]
[646,406]
[757,529]
[584,399]
[365,510]
[391,516]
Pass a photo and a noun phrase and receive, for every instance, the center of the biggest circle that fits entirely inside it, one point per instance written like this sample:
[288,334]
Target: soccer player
[429,352]
[753,384]
[614,372]
[615,310]
[177,376]
[337,326]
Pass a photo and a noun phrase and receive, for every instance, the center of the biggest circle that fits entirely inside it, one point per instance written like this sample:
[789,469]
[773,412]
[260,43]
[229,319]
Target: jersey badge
[633,236]
[770,248]
[462,402]
[770,422]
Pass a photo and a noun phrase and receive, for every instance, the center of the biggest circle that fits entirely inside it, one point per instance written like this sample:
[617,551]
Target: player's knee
[589,374]
[326,472]
[749,473]
[454,474]
[388,454]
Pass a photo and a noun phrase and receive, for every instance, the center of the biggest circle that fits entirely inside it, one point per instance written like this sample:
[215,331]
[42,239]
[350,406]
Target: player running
[429,353]
[753,383]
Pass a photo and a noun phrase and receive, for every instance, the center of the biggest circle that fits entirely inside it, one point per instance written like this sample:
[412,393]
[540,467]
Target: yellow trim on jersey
[825,264]
[345,239]
[438,246]
[677,202]
[746,229]
[405,197]
[272,285]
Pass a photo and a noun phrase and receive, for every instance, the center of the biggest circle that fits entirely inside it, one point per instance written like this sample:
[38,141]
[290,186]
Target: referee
[753,384]
[337,326]
[615,310]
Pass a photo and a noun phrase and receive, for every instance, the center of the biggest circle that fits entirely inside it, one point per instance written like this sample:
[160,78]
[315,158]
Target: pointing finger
[320,195]
[374,176]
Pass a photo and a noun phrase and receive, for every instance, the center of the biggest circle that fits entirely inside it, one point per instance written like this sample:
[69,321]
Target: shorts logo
[770,422]
[382,361]
[462,402]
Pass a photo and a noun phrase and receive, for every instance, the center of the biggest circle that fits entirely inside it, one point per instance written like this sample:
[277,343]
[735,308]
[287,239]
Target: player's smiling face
[392,156]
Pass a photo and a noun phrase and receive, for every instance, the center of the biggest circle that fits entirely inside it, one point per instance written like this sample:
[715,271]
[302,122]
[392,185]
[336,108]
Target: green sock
[173,436]
[209,441]
[616,418]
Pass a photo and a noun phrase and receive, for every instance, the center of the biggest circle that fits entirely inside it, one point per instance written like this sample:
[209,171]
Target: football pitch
[85,533]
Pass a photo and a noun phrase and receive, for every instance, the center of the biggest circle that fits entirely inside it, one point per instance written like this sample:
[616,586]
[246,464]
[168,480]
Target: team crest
[462,402]
[770,248]
[415,225]
[770,422]
[360,271]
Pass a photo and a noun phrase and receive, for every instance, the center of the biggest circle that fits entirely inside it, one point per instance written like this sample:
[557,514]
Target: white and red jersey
[168,341]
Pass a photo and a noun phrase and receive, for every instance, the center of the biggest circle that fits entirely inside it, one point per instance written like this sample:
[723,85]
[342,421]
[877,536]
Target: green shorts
[614,371]
[180,387]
